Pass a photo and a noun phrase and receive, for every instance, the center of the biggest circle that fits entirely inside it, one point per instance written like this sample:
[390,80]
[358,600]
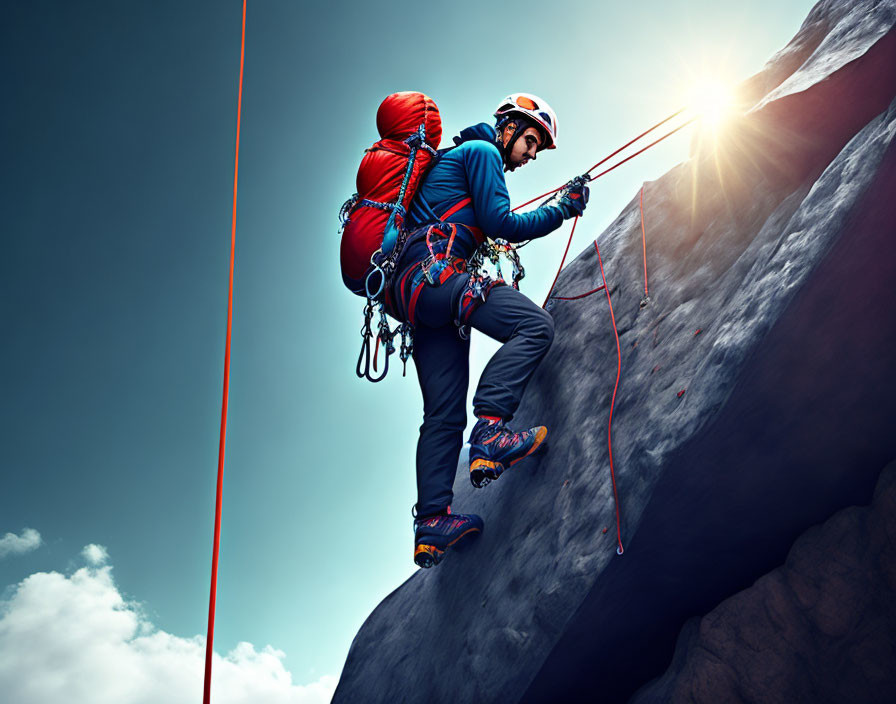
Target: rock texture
[821,628]
[775,245]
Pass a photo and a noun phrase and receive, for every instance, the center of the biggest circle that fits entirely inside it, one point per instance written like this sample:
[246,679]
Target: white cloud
[12,544]
[76,639]
[95,555]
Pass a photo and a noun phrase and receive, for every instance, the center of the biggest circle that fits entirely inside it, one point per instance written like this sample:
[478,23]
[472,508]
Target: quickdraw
[385,336]
[492,250]
[481,283]
[384,267]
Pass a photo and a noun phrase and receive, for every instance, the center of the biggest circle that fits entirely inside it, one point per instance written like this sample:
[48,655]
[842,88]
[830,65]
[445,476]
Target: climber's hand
[573,201]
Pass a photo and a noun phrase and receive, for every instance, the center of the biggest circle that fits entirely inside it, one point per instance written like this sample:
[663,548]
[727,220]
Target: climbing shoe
[494,448]
[433,535]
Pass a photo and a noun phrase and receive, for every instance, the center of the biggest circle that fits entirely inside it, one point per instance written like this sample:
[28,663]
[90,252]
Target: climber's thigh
[506,312]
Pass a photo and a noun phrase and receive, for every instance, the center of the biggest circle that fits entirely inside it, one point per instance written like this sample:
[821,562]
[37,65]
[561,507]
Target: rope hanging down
[210,636]
[587,176]
[619,549]
[644,301]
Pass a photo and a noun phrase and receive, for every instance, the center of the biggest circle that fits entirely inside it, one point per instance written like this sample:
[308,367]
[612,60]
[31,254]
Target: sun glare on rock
[712,101]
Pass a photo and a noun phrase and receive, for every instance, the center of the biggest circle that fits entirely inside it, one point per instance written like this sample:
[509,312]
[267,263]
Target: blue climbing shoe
[433,535]
[494,448]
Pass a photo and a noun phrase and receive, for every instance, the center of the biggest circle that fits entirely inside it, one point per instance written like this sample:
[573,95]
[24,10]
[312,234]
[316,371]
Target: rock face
[822,628]
[777,246]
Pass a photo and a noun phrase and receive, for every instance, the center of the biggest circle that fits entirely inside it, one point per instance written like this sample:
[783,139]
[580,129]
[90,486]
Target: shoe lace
[509,438]
[443,522]
[418,520]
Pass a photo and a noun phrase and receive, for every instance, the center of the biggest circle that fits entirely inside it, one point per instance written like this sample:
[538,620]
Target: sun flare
[712,101]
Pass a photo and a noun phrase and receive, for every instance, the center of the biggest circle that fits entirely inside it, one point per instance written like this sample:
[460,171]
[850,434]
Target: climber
[464,199]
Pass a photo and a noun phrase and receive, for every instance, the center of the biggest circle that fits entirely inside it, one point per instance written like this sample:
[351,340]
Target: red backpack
[389,175]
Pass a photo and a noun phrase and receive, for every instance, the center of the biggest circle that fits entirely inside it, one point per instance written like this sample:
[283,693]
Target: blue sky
[118,146]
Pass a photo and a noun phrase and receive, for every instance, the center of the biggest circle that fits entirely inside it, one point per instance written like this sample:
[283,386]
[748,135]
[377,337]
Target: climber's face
[524,148]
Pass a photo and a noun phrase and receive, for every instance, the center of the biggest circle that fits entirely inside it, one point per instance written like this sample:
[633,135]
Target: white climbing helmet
[535,109]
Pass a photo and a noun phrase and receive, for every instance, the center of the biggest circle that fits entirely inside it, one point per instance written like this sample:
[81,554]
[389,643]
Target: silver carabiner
[374,295]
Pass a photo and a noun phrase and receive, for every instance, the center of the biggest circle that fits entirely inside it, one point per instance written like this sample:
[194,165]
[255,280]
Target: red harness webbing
[463,203]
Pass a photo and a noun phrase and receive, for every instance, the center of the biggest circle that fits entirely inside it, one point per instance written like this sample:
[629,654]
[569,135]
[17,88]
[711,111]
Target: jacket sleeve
[491,202]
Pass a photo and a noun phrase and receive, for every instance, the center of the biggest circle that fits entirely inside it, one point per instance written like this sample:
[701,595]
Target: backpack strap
[457,207]
[462,203]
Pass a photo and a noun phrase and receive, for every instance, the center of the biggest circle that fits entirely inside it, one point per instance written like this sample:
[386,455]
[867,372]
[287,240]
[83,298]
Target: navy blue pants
[442,360]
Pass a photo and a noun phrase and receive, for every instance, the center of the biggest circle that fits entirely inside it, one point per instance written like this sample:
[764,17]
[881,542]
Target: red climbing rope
[611,155]
[620,549]
[644,243]
[602,173]
[575,298]
[643,134]
[642,150]
[209,640]
[562,261]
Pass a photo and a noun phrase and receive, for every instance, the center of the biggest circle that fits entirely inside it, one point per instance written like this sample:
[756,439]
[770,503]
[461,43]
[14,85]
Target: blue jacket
[473,169]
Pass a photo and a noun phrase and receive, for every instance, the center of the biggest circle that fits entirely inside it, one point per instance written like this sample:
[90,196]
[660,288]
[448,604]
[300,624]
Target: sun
[712,101]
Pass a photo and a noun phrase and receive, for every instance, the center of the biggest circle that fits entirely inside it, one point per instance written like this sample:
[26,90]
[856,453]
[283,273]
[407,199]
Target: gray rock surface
[820,629]
[834,34]
[776,247]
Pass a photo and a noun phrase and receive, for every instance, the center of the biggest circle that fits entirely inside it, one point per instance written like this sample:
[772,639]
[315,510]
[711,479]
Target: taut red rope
[611,155]
[562,261]
[210,636]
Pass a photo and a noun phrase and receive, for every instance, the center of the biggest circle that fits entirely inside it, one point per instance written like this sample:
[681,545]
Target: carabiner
[365,347]
[376,269]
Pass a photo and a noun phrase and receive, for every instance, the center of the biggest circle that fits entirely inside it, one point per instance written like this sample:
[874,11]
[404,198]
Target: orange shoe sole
[427,556]
[483,471]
